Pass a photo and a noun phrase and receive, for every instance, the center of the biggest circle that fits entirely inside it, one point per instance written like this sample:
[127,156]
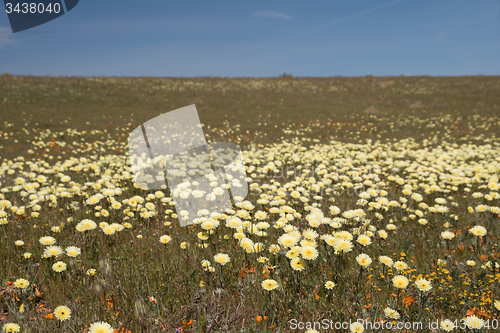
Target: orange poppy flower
[186,325]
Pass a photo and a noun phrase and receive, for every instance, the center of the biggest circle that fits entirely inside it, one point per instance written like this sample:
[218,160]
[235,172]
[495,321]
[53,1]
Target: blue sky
[260,38]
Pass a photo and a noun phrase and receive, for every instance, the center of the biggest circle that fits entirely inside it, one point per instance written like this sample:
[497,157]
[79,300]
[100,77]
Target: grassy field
[373,199]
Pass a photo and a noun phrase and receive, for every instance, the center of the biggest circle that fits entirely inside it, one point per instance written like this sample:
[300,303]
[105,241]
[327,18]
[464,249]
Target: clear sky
[260,38]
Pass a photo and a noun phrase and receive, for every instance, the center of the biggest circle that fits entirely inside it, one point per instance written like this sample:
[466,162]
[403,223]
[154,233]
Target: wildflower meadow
[371,200]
